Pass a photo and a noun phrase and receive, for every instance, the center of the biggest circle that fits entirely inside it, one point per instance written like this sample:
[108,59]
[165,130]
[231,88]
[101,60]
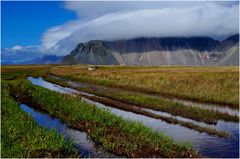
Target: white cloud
[17,47]
[94,9]
[19,54]
[152,20]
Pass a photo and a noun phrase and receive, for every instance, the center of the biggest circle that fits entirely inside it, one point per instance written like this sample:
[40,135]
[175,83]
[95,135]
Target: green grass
[204,84]
[22,137]
[123,137]
[170,120]
[151,102]
[19,72]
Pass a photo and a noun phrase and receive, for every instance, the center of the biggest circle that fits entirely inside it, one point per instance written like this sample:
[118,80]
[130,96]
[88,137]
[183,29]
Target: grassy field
[152,102]
[114,134]
[22,137]
[19,72]
[122,137]
[204,84]
[200,114]
[134,88]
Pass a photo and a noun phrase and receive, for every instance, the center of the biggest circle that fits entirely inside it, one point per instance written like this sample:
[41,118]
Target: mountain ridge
[153,51]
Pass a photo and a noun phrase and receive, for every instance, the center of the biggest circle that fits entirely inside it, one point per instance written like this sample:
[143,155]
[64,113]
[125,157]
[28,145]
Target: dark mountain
[232,39]
[47,59]
[230,57]
[230,53]
[164,44]
[51,59]
[153,51]
[93,52]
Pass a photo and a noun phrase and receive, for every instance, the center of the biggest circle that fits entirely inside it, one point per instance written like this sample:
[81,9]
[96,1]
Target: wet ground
[207,145]
[80,139]
[208,106]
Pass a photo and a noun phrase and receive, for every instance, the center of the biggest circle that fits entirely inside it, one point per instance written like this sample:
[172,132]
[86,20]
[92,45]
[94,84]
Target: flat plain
[134,97]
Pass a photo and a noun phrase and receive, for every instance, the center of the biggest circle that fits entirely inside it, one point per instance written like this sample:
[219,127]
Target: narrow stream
[208,146]
[215,107]
[180,118]
[83,85]
[66,90]
[79,139]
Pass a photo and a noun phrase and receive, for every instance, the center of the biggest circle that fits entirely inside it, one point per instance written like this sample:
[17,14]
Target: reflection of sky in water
[209,146]
[179,118]
[208,106]
[50,86]
[80,140]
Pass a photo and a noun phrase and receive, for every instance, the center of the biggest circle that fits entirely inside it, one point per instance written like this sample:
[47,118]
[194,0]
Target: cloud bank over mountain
[126,20]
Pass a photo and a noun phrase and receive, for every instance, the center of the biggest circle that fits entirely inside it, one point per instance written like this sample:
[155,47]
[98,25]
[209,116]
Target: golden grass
[205,84]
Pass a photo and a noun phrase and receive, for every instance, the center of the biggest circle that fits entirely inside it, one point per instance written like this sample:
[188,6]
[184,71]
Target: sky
[57,27]
[23,23]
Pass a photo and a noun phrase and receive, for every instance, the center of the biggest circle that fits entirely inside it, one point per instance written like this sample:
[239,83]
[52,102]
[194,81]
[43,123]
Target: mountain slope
[47,59]
[94,52]
[231,57]
[153,51]
[164,44]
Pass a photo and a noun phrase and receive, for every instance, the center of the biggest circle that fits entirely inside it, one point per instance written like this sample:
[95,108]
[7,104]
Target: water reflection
[80,140]
[214,107]
[207,145]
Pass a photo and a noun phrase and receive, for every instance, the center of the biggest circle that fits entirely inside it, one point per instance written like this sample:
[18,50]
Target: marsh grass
[122,137]
[22,137]
[146,101]
[171,120]
[204,84]
[19,72]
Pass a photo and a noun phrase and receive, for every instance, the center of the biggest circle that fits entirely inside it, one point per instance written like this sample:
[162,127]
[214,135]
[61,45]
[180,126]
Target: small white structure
[91,68]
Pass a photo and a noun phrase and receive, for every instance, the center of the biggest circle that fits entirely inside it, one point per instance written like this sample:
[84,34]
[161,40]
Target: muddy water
[208,146]
[215,107]
[79,139]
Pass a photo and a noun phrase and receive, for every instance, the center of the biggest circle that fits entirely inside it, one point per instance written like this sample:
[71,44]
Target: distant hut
[91,68]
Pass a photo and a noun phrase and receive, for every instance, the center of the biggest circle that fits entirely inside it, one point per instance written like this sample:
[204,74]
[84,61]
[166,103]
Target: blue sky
[23,23]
